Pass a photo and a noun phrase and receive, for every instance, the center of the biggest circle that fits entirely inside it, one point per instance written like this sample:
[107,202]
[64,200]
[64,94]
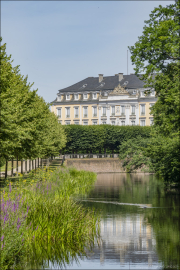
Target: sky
[59,43]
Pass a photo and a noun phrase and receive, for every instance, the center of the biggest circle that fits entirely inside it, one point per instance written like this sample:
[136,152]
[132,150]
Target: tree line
[100,138]
[28,129]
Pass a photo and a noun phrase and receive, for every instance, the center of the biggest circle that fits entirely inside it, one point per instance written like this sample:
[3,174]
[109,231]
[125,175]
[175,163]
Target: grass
[41,219]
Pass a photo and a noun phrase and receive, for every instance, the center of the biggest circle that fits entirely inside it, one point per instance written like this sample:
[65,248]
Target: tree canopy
[28,128]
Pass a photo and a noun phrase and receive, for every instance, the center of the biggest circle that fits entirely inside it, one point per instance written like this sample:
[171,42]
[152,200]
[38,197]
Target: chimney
[120,76]
[100,77]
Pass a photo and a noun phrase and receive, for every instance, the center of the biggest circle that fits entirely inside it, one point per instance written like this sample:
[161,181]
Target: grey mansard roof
[110,82]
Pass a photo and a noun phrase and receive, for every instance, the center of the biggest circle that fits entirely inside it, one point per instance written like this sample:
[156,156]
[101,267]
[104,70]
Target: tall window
[133,123]
[76,112]
[151,122]
[152,93]
[68,97]
[113,123]
[76,122]
[104,122]
[94,111]
[104,111]
[113,110]
[67,112]
[76,96]
[133,109]
[122,123]
[142,123]
[85,123]
[85,111]
[122,110]
[143,109]
[94,122]
[68,122]
[59,112]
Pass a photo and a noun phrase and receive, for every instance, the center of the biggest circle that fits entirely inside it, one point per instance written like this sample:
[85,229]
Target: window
[68,122]
[133,109]
[59,112]
[58,97]
[143,109]
[67,112]
[94,122]
[113,110]
[104,122]
[59,121]
[76,112]
[76,96]
[122,123]
[94,95]
[104,111]
[67,97]
[133,123]
[151,122]
[122,110]
[152,93]
[134,91]
[76,122]
[142,93]
[85,123]
[85,111]
[94,111]
[85,96]
[142,123]
[113,123]
[151,104]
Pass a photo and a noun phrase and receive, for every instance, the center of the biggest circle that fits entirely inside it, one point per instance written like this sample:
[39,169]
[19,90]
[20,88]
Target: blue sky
[58,43]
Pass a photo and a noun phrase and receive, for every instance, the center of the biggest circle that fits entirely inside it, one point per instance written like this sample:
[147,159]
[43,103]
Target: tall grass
[42,221]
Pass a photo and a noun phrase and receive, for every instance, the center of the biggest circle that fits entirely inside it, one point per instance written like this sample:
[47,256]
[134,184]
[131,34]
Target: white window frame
[94,114]
[133,107]
[142,94]
[104,111]
[122,109]
[58,97]
[133,123]
[112,107]
[153,93]
[76,122]
[68,115]
[85,122]
[123,123]
[95,95]
[76,96]
[151,121]
[94,122]
[104,122]
[59,110]
[68,122]
[67,96]
[113,123]
[143,106]
[143,121]
[85,108]
[84,96]
[76,115]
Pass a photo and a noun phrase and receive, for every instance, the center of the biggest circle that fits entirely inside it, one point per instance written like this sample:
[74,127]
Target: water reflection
[133,237]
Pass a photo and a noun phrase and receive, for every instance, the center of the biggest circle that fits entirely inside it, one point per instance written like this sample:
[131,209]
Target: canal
[139,226]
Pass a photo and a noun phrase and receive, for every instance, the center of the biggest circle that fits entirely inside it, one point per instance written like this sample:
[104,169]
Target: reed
[41,219]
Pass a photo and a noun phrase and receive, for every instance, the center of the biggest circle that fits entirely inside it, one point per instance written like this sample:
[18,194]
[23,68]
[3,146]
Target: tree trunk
[12,167]
[38,162]
[21,166]
[29,165]
[26,167]
[6,168]
[17,165]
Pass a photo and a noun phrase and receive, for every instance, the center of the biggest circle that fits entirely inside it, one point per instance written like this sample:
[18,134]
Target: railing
[95,115]
[67,116]
[76,116]
[142,113]
[69,156]
[85,115]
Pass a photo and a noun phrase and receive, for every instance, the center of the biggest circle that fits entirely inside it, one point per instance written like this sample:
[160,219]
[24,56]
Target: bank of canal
[140,224]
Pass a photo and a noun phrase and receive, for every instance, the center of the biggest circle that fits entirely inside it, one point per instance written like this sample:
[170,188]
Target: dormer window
[68,97]
[76,96]
[85,96]
[58,97]
[134,91]
[152,93]
[142,93]
[94,95]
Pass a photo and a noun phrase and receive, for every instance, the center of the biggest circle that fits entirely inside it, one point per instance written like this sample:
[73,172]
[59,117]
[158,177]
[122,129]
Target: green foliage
[95,139]
[132,154]
[28,128]
[48,217]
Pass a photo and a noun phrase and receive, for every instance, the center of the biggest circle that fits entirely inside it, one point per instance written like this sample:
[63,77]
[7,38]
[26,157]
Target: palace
[115,100]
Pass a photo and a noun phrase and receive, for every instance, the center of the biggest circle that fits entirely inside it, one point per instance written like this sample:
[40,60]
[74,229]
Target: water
[140,224]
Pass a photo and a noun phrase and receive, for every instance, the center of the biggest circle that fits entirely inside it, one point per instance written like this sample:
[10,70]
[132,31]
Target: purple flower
[23,239]
[27,209]
[2,246]
[10,187]
[36,228]
[18,226]
[2,237]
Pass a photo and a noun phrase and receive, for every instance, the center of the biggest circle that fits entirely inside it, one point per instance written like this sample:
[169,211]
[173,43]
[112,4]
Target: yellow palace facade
[116,100]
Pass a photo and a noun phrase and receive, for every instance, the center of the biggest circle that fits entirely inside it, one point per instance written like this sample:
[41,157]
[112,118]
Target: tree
[157,53]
